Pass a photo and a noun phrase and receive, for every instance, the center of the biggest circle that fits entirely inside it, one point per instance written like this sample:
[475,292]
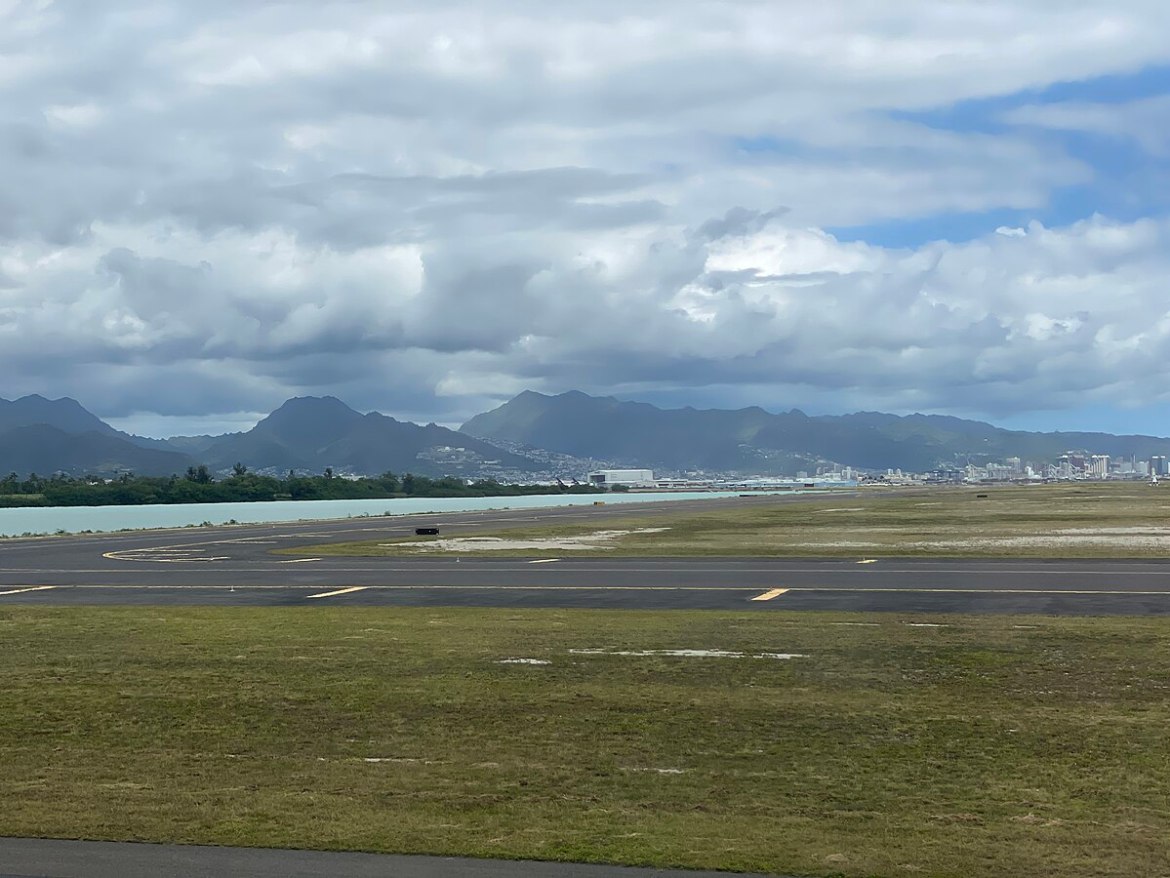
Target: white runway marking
[868,561]
[329,594]
[31,588]
[164,555]
[298,560]
[544,561]
[770,595]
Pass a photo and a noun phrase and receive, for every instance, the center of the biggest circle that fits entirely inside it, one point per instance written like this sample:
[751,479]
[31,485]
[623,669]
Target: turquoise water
[74,519]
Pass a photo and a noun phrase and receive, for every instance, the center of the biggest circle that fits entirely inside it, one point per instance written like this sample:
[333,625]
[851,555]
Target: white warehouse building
[629,478]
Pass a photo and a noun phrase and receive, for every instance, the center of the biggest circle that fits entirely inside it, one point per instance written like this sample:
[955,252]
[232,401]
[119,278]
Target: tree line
[198,485]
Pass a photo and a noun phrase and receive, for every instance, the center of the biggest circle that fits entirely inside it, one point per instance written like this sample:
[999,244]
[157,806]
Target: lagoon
[106,519]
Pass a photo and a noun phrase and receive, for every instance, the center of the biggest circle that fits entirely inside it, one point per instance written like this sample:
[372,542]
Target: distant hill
[311,433]
[752,440]
[67,415]
[59,435]
[43,449]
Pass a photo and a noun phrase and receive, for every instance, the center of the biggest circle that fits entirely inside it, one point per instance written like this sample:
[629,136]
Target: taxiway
[236,565]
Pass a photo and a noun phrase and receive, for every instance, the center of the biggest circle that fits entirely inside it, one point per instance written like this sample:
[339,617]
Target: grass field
[987,746]
[1060,520]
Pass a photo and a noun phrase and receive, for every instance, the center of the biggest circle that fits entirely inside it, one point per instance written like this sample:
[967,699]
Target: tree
[199,474]
[328,472]
[239,469]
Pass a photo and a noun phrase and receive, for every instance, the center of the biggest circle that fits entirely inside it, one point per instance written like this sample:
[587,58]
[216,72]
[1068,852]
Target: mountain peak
[314,403]
[309,419]
[65,414]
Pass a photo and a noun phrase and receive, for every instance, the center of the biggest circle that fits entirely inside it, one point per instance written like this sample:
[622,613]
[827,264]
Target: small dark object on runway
[426,531]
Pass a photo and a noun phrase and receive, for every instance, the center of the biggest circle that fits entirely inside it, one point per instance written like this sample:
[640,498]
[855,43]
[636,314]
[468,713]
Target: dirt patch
[688,653]
[1116,537]
[598,540]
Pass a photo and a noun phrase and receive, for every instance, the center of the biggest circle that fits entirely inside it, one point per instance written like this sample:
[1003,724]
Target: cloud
[425,208]
[1142,120]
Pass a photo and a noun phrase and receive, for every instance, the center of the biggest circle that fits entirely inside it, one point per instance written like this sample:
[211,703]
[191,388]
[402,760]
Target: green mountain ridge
[752,440]
[309,434]
[44,436]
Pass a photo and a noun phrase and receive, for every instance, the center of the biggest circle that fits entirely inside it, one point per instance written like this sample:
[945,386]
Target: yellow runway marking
[769,595]
[329,594]
[31,588]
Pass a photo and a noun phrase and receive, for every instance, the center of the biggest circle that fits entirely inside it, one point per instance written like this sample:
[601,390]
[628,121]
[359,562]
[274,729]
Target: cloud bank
[207,209]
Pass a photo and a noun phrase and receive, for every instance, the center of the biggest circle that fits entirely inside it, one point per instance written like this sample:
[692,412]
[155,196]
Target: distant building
[628,478]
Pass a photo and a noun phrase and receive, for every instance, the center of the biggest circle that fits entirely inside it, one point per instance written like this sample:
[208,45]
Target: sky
[426,208]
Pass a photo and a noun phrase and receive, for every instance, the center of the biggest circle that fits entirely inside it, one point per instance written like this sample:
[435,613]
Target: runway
[234,566]
[47,858]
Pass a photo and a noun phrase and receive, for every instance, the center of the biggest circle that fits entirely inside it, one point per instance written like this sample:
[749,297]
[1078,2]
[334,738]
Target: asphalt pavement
[37,858]
[235,566]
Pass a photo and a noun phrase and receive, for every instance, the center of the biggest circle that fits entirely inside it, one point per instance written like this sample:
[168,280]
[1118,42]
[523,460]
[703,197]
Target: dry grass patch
[1065,520]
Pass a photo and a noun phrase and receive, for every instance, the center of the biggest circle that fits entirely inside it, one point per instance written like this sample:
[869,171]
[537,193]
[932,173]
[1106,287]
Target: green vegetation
[1060,520]
[198,486]
[990,746]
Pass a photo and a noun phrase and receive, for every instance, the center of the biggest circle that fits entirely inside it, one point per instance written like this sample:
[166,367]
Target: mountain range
[534,434]
[752,440]
[304,434]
